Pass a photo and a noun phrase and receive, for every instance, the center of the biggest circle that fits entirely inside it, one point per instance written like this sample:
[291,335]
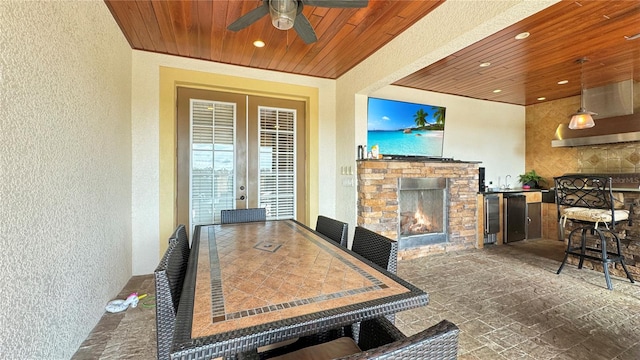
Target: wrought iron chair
[588,201]
[169,280]
[333,229]
[376,248]
[379,339]
[243,215]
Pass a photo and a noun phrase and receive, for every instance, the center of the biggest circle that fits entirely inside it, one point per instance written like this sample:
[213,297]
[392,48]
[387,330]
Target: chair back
[169,280]
[376,248]
[439,342]
[333,229]
[585,191]
[182,239]
[243,215]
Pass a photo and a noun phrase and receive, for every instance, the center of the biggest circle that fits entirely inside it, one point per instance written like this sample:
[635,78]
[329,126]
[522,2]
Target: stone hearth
[378,200]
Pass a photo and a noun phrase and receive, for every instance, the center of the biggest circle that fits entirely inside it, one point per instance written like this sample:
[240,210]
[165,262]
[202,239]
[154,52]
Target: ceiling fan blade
[304,29]
[250,17]
[337,3]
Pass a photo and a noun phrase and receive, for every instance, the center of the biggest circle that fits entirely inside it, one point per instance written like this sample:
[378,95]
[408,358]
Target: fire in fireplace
[415,223]
[422,206]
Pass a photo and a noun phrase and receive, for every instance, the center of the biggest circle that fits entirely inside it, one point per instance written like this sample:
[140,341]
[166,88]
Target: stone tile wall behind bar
[541,123]
[540,126]
[378,200]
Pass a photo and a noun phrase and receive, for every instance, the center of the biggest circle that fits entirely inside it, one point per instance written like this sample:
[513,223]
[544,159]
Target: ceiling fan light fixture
[283,13]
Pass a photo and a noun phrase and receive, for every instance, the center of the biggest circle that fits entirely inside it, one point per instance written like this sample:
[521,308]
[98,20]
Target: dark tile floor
[507,300]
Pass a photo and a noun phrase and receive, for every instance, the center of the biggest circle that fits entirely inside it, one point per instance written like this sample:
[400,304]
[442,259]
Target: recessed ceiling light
[497,91]
[562,82]
[523,35]
[542,98]
[485,64]
[258,43]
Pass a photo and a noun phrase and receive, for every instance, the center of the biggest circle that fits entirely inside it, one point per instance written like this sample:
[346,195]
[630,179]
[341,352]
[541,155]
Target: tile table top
[251,277]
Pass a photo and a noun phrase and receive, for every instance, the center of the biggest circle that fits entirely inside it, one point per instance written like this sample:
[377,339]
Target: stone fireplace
[427,206]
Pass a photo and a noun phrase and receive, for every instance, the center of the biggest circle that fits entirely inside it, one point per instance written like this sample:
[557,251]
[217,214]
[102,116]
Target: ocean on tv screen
[416,142]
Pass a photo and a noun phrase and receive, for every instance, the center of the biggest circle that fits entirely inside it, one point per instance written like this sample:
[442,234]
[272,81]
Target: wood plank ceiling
[524,70]
[198,29]
[528,69]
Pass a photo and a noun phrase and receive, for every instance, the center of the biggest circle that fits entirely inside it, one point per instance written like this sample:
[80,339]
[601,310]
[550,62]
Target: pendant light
[582,119]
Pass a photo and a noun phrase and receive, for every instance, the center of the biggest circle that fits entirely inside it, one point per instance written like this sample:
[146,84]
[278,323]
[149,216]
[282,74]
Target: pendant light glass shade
[283,13]
[582,119]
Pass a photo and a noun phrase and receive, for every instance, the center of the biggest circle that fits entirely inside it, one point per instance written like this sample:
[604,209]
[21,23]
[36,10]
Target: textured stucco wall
[65,173]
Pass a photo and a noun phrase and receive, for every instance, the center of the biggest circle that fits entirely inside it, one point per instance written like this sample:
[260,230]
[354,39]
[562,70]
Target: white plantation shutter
[277,185]
[212,160]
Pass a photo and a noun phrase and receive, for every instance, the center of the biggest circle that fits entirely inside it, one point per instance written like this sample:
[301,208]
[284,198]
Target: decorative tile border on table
[217,298]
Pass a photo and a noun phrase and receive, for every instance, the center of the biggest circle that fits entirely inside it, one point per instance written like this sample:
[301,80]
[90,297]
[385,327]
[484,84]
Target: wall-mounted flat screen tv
[404,128]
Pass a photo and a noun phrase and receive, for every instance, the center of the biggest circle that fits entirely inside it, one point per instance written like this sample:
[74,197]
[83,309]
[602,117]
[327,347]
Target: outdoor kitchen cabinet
[534,215]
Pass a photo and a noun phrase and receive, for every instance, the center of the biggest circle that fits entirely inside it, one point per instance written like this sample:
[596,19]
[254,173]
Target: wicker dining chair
[169,280]
[243,215]
[333,229]
[379,339]
[376,248]
[180,236]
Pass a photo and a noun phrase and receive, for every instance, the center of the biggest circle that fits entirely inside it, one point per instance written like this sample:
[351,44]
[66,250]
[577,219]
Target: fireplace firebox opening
[422,211]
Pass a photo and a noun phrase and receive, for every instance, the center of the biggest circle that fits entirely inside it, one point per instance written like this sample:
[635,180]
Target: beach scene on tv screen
[403,128]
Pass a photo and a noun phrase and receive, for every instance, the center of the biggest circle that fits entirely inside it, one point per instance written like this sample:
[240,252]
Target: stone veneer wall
[378,200]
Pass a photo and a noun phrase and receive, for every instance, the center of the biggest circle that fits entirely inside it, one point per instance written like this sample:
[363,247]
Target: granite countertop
[618,189]
[506,191]
[409,158]
[631,190]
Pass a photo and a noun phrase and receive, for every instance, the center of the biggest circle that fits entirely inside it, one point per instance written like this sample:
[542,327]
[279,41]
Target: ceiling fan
[286,14]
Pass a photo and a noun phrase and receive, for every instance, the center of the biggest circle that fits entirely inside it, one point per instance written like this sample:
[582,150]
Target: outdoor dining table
[252,284]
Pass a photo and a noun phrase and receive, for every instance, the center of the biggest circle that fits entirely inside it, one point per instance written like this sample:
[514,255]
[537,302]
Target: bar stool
[588,201]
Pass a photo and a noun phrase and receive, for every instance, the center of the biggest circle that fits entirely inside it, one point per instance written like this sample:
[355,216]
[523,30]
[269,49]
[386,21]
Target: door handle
[242,197]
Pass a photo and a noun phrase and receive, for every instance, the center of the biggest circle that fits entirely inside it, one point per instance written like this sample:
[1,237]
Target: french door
[238,151]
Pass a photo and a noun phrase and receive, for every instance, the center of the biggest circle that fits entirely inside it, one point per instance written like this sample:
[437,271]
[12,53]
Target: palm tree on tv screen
[439,115]
[420,118]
